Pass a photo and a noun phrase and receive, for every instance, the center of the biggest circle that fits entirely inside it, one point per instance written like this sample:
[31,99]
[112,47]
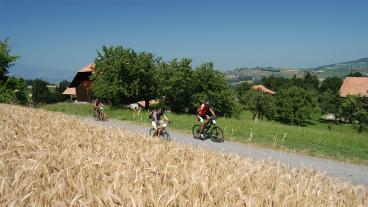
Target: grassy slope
[341,143]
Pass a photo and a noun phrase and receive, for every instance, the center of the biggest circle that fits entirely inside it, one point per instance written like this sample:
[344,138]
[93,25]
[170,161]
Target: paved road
[357,174]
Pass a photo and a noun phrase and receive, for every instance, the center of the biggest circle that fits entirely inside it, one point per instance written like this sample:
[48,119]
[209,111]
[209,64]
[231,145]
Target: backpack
[150,114]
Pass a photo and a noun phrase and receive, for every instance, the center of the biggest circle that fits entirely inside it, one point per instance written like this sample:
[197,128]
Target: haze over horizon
[65,35]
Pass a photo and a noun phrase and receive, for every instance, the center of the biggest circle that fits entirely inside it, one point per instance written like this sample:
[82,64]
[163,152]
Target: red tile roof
[354,86]
[263,89]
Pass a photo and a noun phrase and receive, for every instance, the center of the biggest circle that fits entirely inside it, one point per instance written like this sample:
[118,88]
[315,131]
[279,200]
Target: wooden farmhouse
[80,87]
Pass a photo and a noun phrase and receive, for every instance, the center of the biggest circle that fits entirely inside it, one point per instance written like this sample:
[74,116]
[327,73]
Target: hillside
[49,159]
[342,69]
[338,69]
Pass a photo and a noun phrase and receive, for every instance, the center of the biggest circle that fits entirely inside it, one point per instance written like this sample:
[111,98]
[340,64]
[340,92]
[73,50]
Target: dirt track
[357,174]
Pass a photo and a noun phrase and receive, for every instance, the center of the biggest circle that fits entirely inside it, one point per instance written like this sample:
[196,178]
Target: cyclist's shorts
[162,124]
[201,118]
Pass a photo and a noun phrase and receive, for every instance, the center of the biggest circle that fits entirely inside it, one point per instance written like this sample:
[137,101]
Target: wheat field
[50,159]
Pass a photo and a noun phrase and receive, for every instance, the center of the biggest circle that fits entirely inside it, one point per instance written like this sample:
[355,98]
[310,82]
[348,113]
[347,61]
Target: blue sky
[65,34]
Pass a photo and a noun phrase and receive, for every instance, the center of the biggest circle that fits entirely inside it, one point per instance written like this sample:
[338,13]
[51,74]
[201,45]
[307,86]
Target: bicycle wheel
[196,131]
[94,115]
[103,116]
[152,132]
[166,136]
[217,134]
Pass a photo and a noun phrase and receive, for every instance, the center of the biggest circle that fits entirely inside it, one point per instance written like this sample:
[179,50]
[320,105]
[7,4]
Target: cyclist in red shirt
[204,113]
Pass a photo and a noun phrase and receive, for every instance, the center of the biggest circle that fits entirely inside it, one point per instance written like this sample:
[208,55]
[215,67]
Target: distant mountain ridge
[338,69]
[30,72]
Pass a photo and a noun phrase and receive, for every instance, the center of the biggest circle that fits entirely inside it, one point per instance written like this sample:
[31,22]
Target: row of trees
[41,94]
[298,99]
[123,75]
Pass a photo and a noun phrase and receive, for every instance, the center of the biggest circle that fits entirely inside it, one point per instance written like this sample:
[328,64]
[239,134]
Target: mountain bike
[164,134]
[102,116]
[210,131]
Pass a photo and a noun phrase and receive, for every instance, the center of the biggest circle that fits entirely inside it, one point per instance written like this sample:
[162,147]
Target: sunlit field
[50,159]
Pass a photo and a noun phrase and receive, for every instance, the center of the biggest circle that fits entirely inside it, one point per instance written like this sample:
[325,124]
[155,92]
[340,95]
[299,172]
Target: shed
[82,83]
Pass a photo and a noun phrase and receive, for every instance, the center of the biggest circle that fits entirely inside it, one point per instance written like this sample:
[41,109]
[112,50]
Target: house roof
[354,86]
[87,68]
[263,89]
[69,91]
[82,74]
[151,102]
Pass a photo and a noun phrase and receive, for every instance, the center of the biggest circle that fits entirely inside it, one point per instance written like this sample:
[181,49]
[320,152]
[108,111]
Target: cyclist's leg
[203,125]
[154,125]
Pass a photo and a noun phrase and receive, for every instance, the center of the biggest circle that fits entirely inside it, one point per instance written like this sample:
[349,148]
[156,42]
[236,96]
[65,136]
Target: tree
[242,89]
[40,92]
[331,83]
[355,74]
[176,79]
[259,103]
[295,105]
[6,59]
[355,110]
[12,90]
[311,82]
[274,82]
[124,76]
[212,85]
[330,102]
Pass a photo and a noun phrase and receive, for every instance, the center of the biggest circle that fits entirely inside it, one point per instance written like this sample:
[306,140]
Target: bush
[12,90]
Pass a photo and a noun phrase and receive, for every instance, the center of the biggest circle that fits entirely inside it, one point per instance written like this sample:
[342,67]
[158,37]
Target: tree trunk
[255,117]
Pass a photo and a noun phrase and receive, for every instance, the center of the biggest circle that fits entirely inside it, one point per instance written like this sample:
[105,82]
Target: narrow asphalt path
[357,174]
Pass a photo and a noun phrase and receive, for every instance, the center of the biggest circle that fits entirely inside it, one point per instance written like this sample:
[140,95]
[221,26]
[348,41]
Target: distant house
[81,84]
[263,89]
[151,102]
[354,86]
[70,91]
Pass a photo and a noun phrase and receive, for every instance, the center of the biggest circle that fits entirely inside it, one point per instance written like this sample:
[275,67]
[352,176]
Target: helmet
[98,101]
[207,103]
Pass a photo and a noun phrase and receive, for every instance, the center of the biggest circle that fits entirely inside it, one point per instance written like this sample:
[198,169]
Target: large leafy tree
[259,103]
[212,85]
[295,105]
[331,83]
[176,84]
[242,89]
[330,102]
[311,82]
[123,75]
[40,92]
[6,59]
[355,110]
